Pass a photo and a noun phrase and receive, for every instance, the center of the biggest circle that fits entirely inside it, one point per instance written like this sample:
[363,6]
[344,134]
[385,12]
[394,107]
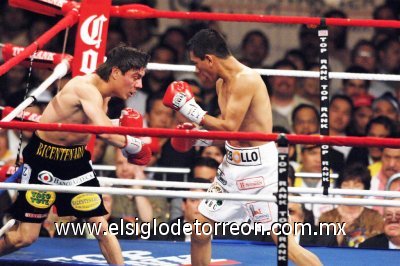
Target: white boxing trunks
[250,170]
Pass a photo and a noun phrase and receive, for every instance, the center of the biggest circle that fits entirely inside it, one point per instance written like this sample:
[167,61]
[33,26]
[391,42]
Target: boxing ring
[89,47]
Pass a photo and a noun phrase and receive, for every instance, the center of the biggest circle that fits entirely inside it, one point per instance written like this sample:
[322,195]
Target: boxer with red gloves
[134,150]
[61,158]
[179,96]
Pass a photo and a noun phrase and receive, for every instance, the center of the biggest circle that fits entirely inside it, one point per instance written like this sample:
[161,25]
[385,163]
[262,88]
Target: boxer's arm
[92,104]
[236,108]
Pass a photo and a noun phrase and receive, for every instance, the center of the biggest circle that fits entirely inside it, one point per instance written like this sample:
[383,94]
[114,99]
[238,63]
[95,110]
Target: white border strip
[107,181]
[201,195]
[289,73]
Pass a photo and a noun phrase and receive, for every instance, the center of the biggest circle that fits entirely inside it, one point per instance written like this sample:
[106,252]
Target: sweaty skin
[242,97]
[245,106]
[84,100]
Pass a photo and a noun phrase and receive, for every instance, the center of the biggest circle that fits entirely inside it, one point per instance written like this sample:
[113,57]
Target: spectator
[254,49]
[337,41]
[385,12]
[297,57]
[362,114]
[311,163]
[340,112]
[157,116]
[205,168]
[115,34]
[390,238]
[364,54]
[310,87]
[215,152]
[361,222]
[284,98]
[129,207]
[305,119]
[176,37]
[188,211]
[380,127]
[386,105]
[355,87]
[303,218]
[140,33]
[388,63]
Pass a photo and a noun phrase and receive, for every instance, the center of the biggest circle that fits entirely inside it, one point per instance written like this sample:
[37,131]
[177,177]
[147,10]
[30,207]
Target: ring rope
[108,181]
[220,135]
[288,73]
[68,21]
[59,71]
[144,12]
[201,195]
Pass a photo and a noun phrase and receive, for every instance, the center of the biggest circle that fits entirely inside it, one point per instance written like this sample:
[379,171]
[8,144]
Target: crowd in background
[357,108]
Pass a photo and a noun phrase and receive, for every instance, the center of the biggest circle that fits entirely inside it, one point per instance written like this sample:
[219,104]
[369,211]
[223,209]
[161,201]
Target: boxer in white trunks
[249,166]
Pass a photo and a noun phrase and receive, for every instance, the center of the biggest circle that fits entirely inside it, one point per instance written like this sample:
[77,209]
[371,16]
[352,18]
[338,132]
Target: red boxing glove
[130,118]
[183,144]
[142,157]
[7,171]
[179,96]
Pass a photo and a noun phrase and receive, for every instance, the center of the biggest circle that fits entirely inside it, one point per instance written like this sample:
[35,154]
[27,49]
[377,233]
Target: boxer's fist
[130,118]
[142,157]
[183,144]
[136,151]
[179,97]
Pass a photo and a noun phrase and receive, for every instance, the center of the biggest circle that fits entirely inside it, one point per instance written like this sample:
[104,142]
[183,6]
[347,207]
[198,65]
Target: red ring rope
[141,12]
[221,135]
[69,20]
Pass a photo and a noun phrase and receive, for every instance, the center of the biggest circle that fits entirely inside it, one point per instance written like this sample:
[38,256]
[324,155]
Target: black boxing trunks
[50,164]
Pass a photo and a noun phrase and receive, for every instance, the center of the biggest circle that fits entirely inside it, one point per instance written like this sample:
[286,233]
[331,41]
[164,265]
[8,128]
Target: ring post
[324,98]
[282,197]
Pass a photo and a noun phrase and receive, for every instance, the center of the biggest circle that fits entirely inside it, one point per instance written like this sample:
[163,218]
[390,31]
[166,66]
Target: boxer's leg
[108,243]
[21,235]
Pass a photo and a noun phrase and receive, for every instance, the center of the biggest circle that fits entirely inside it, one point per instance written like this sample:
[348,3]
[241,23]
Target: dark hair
[378,9]
[167,47]
[357,69]
[124,58]
[208,41]
[357,172]
[296,53]
[340,40]
[258,33]
[342,97]
[284,63]
[384,44]
[303,106]
[158,96]
[170,30]
[362,42]
[385,122]
[206,161]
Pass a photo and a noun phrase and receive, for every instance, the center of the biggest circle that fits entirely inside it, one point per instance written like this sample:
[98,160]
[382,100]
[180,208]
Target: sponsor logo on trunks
[220,177]
[48,178]
[60,154]
[26,174]
[86,202]
[250,182]
[40,199]
[244,157]
[259,212]
[35,215]
[214,205]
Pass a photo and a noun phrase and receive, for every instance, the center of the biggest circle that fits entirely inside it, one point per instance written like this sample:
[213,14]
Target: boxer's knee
[20,240]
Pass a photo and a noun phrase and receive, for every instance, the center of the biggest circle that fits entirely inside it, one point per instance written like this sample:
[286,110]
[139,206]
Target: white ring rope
[178,170]
[201,195]
[289,73]
[107,181]
[59,71]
